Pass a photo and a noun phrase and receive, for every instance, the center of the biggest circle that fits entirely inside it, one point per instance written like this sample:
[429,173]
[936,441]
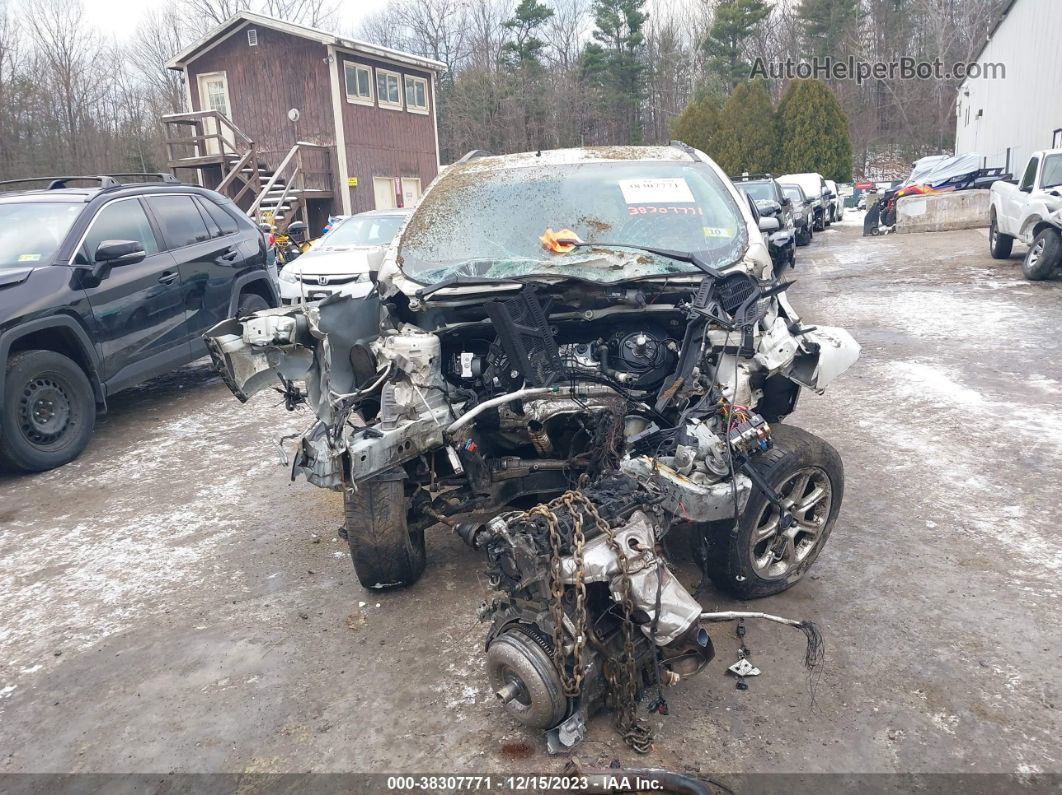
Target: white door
[410,191]
[214,95]
[383,191]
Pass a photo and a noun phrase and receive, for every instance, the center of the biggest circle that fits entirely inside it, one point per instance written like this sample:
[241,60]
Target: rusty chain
[572,685]
[637,732]
[621,674]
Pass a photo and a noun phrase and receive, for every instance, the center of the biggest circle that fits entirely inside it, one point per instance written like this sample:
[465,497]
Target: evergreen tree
[698,123]
[748,131]
[525,50]
[734,23]
[827,25]
[814,131]
[523,54]
[612,63]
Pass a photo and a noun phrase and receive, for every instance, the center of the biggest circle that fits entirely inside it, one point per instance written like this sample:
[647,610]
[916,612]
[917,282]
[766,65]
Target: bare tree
[72,54]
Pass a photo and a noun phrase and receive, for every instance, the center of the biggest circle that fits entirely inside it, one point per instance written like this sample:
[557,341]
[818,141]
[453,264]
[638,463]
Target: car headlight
[289,275]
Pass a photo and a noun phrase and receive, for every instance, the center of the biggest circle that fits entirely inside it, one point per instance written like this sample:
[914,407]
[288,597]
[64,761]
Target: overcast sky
[120,17]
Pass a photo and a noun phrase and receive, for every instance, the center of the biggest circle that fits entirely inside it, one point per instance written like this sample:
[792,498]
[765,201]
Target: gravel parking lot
[170,602]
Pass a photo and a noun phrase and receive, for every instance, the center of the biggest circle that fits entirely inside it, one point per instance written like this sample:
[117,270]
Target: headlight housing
[289,275]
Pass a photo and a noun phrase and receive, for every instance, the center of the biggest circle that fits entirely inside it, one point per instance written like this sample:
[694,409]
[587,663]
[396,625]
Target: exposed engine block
[587,613]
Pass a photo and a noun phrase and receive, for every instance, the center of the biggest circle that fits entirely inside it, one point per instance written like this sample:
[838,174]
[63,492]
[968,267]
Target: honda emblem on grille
[322,280]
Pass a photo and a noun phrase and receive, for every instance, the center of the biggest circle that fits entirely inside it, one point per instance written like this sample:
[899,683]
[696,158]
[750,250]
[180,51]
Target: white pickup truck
[1029,211]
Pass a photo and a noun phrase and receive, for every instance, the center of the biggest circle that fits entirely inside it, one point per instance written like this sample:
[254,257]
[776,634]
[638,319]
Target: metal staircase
[225,159]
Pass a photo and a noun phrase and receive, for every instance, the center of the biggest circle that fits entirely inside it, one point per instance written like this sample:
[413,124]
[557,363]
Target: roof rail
[106,181]
[685,147]
[161,176]
[747,177]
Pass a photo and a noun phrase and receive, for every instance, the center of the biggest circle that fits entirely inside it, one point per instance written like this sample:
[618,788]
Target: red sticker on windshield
[665,211]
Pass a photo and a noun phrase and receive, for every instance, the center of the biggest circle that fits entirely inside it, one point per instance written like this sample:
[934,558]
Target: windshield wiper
[679,256]
[457,279]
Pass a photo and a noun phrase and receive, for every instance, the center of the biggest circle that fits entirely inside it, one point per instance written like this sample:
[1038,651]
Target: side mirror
[768,207]
[114,253]
[769,223]
[119,252]
[787,202]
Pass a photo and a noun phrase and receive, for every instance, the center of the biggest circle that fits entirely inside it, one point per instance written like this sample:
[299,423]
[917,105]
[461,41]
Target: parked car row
[802,204]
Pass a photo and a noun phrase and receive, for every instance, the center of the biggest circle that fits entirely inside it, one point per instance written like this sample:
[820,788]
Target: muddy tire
[48,414]
[758,559]
[1043,256]
[999,245]
[385,552]
[250,303]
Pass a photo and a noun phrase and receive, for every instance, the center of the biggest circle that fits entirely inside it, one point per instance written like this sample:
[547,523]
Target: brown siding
[285,71]
[281,73]
[386,143]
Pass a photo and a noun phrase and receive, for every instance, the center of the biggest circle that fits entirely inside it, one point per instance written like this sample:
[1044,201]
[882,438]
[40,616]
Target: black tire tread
[385,553]
[19,456]
[1051,258]
[1003,243]
[250,303]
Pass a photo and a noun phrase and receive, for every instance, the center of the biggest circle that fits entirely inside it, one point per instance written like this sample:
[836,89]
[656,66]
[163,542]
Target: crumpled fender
[827,352]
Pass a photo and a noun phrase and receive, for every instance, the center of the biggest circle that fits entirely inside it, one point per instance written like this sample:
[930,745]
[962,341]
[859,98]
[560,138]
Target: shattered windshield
[509,223]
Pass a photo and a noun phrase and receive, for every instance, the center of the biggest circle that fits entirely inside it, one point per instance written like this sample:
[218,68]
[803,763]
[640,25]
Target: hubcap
[44,410]
[1035,252]
[776,551]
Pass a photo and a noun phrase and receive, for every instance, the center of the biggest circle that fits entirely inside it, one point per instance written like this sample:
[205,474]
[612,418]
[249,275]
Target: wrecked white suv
[566,353]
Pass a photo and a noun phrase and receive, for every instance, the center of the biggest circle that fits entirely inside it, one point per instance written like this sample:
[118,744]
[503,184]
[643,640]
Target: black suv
[103,287]
[766,194]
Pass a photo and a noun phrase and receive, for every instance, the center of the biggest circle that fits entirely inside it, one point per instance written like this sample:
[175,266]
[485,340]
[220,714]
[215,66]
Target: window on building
[359,83]
[1056,139]
[389,89]
[252,38]
[416,94]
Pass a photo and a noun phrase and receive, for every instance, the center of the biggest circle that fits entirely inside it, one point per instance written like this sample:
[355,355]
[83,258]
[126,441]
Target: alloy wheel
[777,551]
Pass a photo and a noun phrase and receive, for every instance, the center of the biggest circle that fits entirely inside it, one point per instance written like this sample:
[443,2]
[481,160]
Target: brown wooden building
[292,121]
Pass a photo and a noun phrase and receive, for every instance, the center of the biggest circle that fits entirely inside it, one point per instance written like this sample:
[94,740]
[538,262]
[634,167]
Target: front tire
[1043,256]
[48,414]
[758,558]
[999,245]
[386,553]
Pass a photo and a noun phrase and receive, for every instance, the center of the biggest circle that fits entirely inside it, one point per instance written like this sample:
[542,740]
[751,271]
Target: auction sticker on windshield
[655,191]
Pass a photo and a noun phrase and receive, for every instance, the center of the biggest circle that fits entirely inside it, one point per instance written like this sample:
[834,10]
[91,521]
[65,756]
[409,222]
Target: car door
[138,309]
[1017,199]
[203,257]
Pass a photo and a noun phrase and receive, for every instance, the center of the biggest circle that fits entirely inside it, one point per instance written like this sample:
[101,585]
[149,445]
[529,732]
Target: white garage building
[1005,119]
